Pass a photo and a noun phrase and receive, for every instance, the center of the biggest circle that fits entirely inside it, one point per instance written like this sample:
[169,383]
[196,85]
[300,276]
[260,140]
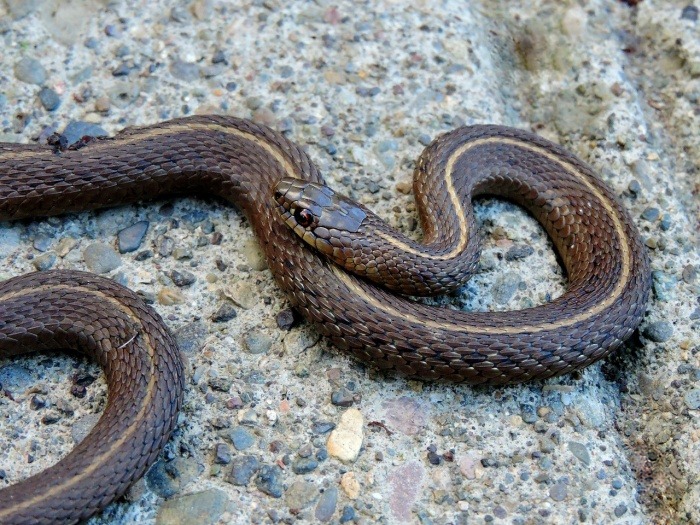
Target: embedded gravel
[278,426]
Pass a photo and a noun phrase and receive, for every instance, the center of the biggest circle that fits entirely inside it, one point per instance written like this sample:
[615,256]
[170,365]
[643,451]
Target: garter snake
[282,193]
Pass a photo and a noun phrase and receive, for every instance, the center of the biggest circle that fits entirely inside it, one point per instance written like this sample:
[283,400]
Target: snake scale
[303,227]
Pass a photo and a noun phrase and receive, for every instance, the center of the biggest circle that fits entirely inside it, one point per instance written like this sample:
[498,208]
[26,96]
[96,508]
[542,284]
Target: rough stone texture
[364,90]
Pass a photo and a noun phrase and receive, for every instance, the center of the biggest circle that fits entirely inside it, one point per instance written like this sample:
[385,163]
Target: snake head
[319,216]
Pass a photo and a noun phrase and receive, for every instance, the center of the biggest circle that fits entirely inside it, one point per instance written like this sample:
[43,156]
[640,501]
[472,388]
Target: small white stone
[345,441]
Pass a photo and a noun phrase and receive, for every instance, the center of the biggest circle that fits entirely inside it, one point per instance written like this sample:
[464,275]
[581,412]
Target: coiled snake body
[254,167]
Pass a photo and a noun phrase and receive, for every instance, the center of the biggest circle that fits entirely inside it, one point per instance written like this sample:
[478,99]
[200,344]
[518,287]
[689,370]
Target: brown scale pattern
[241,162]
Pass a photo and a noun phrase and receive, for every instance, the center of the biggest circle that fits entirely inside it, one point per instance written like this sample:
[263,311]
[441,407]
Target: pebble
[49,99]
[269,480]
[254,255]
[241,438]
[285,319]
[130,238]
[350,485]
[689,274]
[243,469]
[203,508]
[580,451]
[325,508]
[170,296]
[348,514]
[342,398]
[689,12]
[345,440]
[44,262]
[101,258]
[558,492]
[620,510]
[304,465]
[504,287]
[300,495]
[30,70]
[692,399]
[658,331]
[168,478]
[519,251]
[257,342]
[76,129]
[225,312]
[223,454]
[651,214]
[663,285]
[242,294]
[182,278]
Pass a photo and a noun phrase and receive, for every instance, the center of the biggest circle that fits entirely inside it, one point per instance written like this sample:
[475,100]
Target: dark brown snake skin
[238,160]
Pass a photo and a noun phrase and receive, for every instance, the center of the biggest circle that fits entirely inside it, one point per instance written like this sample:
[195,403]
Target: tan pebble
[254,255]
[102,104]
[345,441]
[64,246]
[168,296]
[242,294]
[404,187]
[350,485]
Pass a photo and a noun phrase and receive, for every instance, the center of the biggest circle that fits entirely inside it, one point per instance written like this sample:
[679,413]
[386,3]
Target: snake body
[246,163]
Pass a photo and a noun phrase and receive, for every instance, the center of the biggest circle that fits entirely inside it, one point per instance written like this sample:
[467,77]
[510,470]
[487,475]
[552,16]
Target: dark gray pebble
[620,510]
[689,274]
[224,313]
[167,478]
[269,480]
[285,319]
[244,468]
[519,251]
[30,70]
[342,398]
[304,465]
[659,331]
[51,418]
[122,70]
[322,427]
[130,238]
[348,514]
[690,12]
[49,99]
[182,278]
[223,454]
[325,508]
[221,383]
[527,412]
[241,438]
[75,130]
[651,214]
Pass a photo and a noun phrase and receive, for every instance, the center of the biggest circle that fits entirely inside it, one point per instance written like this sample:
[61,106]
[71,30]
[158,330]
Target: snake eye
[303,217]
